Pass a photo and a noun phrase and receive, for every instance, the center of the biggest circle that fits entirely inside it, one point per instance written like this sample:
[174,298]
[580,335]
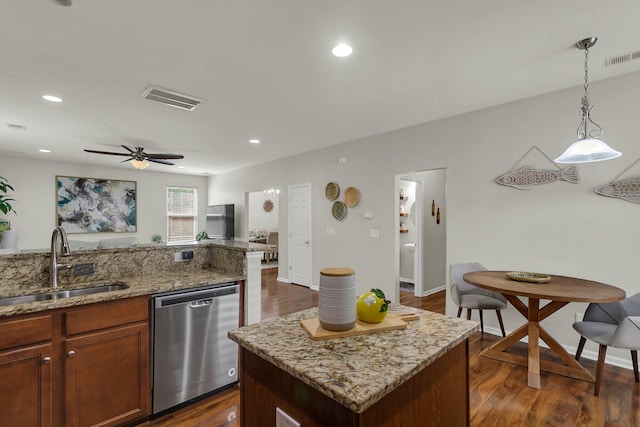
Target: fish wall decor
[526,177]
[628,189]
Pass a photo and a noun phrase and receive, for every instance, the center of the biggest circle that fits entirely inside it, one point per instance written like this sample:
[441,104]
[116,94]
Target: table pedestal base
[535,332]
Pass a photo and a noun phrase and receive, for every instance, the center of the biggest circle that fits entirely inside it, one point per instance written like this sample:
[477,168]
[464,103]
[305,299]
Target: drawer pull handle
[71,353]
[46,360]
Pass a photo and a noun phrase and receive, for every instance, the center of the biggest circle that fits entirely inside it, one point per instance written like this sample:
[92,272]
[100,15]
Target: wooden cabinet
[106,377]
[26,386]
[436,396]
[82,366]
[106,369]
[26,371]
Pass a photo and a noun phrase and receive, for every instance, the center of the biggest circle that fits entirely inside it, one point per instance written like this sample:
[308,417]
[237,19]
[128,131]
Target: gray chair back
[613,312]
[459,270]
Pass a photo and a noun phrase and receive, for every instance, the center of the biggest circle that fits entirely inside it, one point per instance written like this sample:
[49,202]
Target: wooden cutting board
[390,322]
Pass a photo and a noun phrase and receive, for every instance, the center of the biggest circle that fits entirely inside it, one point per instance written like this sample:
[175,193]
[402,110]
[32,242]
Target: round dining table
[559,291]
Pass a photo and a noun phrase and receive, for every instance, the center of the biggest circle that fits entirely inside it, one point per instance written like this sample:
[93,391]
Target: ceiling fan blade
[107,152]
[129,149]
[160,161]
[165,156]
[127,160]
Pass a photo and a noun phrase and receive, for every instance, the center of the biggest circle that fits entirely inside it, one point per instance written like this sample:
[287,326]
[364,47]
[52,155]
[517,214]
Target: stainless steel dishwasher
[192,354]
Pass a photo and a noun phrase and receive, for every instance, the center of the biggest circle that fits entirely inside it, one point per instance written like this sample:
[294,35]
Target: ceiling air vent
[615,60]
[16,126]
[171,98]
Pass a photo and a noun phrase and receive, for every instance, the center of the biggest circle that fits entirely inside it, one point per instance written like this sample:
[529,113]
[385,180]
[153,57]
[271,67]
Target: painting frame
[96,205]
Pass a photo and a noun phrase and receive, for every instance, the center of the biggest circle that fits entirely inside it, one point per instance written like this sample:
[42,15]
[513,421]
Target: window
[182,214]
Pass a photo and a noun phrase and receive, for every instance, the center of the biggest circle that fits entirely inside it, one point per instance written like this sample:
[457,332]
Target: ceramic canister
[337,299]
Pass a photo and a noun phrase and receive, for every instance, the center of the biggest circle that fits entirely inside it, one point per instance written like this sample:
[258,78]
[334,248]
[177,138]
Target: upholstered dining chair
[272,251]
[471,297]
[613,324]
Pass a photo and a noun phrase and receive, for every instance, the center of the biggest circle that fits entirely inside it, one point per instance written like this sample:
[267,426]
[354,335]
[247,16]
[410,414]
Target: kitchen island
[408,377]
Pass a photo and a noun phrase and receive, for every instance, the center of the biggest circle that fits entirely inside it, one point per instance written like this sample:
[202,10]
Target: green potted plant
[5,205]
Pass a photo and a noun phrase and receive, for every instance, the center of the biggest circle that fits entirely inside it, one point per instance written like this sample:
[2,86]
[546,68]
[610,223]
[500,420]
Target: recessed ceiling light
[254,141]
[342,50]
[182,167]
[52,98]
[43,150]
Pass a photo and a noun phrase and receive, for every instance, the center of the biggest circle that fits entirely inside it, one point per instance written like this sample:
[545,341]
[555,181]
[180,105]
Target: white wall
[558,228]
[259,219]
[35,194]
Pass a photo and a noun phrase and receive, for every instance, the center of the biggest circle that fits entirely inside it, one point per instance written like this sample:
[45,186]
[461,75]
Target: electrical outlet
[374,232]
[84,269]
[284,420]
[177,257]
[331,231]
[579,317]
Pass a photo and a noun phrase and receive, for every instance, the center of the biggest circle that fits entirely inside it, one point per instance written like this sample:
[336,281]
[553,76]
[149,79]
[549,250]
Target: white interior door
[300,234]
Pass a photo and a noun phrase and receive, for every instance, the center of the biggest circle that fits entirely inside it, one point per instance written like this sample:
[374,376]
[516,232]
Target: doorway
[421,245]
[263,223]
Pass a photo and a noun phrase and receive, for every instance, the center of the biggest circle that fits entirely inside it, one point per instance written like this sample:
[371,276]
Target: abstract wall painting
[93,205]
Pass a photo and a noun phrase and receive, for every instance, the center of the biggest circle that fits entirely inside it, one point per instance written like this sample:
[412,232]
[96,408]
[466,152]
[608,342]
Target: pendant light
[588,148]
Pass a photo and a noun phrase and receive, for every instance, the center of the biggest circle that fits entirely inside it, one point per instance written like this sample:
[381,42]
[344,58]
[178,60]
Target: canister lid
[337,272]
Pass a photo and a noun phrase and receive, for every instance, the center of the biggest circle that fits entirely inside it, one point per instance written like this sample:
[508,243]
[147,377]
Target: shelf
[404,231]
[404,214]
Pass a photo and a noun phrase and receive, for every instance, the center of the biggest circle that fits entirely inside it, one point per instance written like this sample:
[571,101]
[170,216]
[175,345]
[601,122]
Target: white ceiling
[265,69]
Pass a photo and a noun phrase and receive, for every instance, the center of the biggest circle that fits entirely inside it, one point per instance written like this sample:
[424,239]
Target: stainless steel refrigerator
[220,222]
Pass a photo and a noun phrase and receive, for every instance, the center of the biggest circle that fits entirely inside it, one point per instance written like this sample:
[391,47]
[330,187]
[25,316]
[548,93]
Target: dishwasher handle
[201,303]
[195,298]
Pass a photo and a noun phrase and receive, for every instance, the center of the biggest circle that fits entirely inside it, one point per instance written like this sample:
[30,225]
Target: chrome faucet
[53,262]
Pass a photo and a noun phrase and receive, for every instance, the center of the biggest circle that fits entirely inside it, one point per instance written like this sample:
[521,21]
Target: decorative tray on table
[523,276]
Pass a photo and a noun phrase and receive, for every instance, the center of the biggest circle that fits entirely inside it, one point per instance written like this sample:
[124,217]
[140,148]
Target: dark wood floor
[498,392]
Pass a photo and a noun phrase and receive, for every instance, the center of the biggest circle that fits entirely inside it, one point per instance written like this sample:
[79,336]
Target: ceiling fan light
[586,151]
[139,164]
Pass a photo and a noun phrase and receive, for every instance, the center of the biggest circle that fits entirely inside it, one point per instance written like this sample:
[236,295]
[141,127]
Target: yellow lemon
[372,307]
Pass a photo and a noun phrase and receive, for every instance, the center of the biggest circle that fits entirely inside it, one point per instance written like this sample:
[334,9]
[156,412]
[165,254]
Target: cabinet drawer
[29,330]
[106,315]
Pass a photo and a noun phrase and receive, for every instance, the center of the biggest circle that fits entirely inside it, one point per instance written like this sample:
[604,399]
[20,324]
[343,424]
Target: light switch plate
[331,231]
[374,232]
[284,420]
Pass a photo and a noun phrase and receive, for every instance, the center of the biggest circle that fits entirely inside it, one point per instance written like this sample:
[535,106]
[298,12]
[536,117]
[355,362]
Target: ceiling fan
[139,158]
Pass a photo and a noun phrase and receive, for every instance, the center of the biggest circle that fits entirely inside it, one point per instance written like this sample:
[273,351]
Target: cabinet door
[25,386]
[107,377]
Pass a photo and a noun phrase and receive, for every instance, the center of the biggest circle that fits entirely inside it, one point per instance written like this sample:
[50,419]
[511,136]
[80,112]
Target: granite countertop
[138,285]
[360,370]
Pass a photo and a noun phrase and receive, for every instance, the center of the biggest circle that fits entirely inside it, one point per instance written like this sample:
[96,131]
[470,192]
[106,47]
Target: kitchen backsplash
[31,271]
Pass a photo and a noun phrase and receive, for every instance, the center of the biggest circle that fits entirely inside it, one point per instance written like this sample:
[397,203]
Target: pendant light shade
[588,148]
[586,151]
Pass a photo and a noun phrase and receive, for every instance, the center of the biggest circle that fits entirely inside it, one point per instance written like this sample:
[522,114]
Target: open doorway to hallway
[420,254]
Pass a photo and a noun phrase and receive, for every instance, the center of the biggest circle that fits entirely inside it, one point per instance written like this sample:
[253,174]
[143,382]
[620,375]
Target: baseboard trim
[434,290]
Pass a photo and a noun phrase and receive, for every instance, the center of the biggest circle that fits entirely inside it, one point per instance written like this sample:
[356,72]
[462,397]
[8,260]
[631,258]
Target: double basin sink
[54,295]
